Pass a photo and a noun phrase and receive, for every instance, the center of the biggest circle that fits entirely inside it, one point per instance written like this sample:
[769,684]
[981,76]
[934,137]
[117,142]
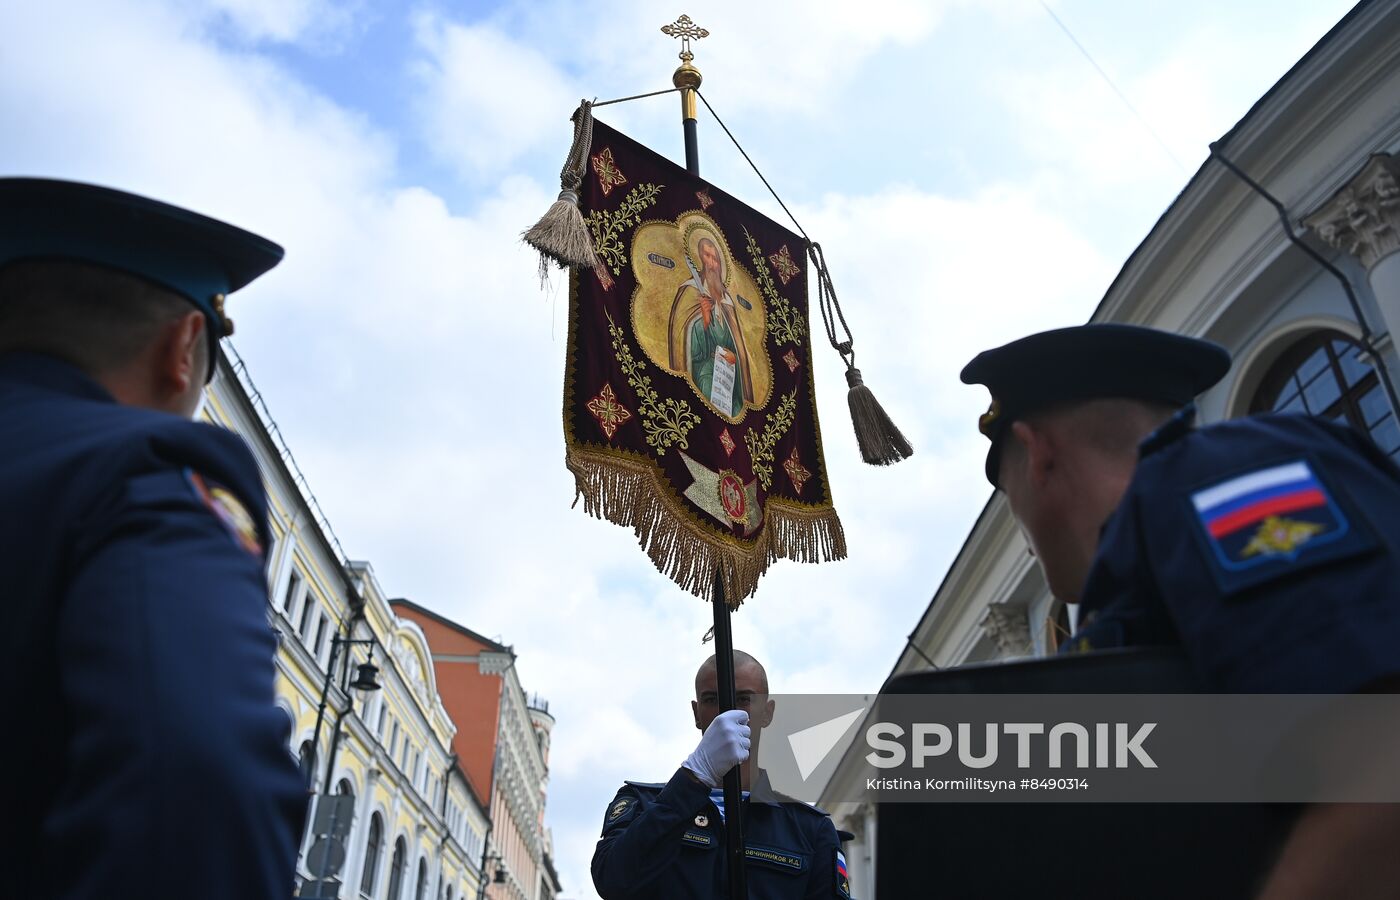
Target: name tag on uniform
[698,839]
[785,860]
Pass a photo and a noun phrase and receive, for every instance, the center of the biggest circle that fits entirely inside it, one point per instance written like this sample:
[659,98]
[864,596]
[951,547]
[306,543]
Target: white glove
[724,745]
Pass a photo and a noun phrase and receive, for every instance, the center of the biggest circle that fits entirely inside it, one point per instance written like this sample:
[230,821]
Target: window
[320,643]
[304,760]
[396,868]
[421,891]
[289,599]
[306,609]
[1323,375]
[373,844]
[383,714]
[394,742]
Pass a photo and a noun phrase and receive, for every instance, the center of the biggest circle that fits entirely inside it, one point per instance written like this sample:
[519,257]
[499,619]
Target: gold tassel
[561,236]
[881,442]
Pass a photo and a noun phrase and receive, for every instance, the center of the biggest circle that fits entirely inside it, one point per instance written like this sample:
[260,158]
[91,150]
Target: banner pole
[733,785]
[687,79]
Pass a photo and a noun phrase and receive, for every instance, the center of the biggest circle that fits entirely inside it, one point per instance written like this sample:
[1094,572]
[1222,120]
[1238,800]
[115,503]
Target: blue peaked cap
[1089,362]
[199,258]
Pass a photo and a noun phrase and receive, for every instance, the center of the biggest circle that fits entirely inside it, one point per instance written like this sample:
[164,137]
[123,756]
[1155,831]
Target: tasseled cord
[561,236]
[880,440]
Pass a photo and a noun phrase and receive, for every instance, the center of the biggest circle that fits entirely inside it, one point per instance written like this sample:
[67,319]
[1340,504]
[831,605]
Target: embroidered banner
[689,410]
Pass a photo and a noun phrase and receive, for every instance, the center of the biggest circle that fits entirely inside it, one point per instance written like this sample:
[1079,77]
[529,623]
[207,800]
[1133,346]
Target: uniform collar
[1179,425]
[51,373]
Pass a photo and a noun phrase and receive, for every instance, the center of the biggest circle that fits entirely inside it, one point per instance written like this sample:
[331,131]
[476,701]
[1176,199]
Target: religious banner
[689,409]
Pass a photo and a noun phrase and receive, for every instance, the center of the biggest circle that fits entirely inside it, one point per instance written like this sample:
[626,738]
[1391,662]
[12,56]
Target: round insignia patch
[702,820]
[619,808]
[230,510]
[732,496]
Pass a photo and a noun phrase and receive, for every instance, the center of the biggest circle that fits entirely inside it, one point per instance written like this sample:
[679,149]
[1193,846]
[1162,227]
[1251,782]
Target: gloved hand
[724,745]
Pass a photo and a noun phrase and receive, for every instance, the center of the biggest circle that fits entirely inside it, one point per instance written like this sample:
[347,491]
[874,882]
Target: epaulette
[646,785]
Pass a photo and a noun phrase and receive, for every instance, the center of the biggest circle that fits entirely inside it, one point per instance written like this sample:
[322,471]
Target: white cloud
[287,21]
[486,98]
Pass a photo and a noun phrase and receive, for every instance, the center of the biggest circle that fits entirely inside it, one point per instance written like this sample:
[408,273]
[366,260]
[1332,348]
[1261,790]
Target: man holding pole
[668,840]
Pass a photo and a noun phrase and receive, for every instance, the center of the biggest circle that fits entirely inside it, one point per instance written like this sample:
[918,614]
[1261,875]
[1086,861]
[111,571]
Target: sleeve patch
[843,878]
[1272,521]
[229,510]
[619,809]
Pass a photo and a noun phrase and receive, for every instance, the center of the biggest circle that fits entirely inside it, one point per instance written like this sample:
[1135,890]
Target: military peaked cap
[1089,362]
[199,258]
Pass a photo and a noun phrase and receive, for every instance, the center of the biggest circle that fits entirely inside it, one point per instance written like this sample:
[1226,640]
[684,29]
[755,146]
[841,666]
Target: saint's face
[709,259]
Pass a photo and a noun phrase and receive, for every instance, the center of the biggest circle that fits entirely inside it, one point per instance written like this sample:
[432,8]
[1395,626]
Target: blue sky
[970,175]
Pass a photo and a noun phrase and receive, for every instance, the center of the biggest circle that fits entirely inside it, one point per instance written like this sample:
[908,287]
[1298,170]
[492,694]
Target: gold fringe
[637,495]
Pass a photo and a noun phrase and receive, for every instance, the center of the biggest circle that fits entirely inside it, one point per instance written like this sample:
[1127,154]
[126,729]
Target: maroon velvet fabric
[633,199]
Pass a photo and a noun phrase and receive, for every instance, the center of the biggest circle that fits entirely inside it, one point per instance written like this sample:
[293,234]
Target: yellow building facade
[415,830]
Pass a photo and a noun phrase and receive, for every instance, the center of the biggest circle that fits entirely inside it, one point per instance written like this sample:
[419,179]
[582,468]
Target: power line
[1121,96]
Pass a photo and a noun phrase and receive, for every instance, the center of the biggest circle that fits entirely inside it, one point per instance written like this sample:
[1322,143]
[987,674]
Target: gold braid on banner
[785,324]
[774,427]
[665,422]
[607,225]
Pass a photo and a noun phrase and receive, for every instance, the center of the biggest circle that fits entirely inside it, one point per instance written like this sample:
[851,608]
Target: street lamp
[364,681]
[499,877]
[333,815]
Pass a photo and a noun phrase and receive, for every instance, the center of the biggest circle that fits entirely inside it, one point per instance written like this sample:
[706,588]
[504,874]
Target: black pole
[724,640]
[321,716]
[733,784]
[692,148]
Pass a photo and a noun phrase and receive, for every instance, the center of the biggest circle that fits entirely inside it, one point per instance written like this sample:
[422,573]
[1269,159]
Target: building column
[1363,220]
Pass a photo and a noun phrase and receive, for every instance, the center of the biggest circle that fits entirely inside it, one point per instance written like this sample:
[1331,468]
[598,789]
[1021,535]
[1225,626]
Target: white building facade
[1325,142]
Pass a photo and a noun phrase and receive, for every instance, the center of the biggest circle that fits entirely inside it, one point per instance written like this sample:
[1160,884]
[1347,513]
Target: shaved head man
[667,840]
[1263,547]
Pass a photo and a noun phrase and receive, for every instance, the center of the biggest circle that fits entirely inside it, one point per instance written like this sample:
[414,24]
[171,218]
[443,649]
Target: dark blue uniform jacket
[1268,548]
[143,753]
[667,841]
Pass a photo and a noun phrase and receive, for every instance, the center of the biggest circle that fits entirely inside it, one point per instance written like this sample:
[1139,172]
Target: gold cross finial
[686,30]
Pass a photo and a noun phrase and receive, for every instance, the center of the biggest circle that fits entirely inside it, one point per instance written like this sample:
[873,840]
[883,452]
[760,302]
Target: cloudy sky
[970,175]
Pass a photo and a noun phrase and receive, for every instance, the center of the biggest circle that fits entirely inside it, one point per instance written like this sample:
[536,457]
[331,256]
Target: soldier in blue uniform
[1266,547]
[666,841]
[143,751]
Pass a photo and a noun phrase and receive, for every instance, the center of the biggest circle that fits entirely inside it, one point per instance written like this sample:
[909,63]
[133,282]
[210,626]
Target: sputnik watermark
[1268,748]
[889,752]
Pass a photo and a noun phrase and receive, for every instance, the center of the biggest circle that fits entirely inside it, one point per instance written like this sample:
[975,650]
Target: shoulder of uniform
[645,786]
[793,803]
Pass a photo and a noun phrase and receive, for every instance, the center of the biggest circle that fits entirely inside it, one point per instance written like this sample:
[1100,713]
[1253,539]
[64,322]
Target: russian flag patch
[1261,522]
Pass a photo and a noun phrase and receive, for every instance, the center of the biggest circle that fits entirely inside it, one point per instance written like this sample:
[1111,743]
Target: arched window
[396,868]
[1323,375]
[421,891]
[369,874]
[304,760]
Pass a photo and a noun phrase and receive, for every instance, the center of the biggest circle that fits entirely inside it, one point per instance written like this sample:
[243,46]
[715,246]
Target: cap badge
[985,421]
[217,301]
